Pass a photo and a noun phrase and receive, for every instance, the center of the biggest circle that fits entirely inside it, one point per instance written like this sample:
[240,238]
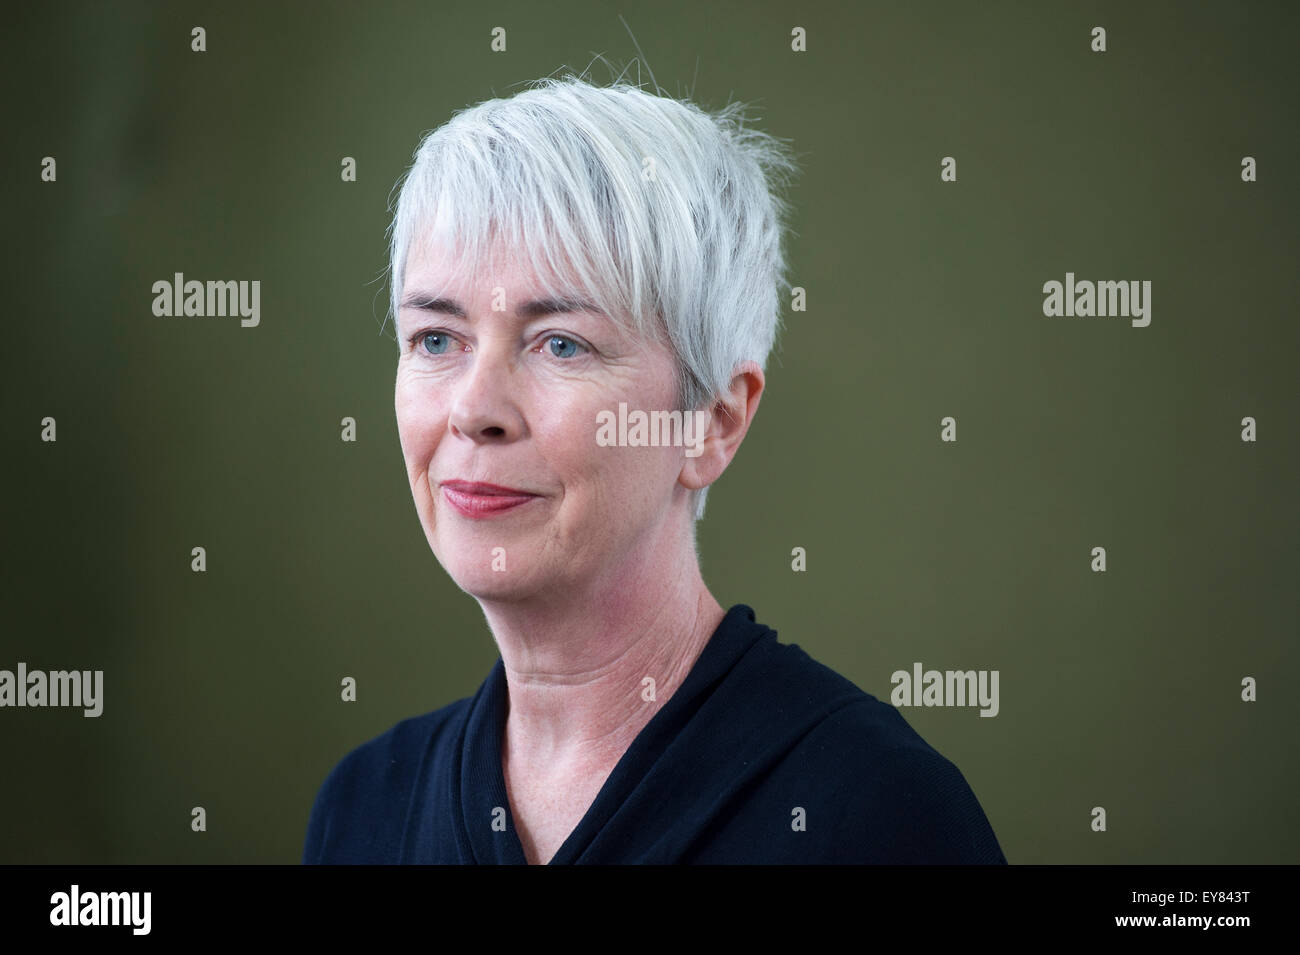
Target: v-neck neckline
[480,797]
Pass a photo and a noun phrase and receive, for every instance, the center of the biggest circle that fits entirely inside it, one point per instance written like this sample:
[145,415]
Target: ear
[726,422]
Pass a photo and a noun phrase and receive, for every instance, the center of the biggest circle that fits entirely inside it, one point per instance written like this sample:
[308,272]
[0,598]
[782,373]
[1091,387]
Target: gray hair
[667,217]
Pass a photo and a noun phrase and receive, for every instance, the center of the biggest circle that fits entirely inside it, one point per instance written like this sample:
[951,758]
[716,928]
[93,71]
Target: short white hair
[667,217]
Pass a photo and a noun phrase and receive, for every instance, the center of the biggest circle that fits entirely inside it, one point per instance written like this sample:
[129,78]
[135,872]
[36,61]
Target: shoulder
[359,811]
[884,793]
[921,806]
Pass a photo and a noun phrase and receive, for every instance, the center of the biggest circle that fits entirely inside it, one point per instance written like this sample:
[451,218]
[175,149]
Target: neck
[576,667]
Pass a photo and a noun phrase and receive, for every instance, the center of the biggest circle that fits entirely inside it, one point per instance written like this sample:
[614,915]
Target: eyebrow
[534,309]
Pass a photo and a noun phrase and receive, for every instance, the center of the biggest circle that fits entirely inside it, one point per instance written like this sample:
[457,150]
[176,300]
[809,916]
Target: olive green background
[1118,689]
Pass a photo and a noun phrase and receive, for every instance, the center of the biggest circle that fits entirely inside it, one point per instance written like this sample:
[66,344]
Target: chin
[486,585]
[476,569]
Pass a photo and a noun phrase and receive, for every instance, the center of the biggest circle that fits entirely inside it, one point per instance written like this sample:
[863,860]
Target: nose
[483,410]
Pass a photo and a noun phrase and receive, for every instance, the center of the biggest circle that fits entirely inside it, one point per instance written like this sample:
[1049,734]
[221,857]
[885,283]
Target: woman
[585,284]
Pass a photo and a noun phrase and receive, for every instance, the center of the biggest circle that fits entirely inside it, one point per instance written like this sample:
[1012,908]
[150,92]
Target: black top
[762,755]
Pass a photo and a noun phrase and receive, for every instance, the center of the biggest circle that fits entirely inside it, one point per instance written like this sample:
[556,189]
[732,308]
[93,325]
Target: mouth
[476,499]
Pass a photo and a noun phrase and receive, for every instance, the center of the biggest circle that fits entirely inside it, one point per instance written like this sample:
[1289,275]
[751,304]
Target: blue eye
[562,347]
[435,343]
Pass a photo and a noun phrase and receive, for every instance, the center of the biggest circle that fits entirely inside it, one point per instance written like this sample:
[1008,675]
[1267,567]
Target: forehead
[439,276]
[490,260]
[537,278]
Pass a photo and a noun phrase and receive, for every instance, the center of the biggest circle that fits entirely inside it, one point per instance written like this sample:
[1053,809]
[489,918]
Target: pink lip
[478,500]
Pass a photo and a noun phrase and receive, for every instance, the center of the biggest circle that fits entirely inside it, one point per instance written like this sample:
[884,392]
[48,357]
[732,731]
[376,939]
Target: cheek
[607,480]
[563,442]
[612,483]
[419,424]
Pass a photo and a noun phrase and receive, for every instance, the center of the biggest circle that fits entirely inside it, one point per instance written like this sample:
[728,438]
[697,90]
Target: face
[498,410]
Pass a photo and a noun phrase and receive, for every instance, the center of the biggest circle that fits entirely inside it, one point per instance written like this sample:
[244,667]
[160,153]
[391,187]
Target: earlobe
[704,466]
